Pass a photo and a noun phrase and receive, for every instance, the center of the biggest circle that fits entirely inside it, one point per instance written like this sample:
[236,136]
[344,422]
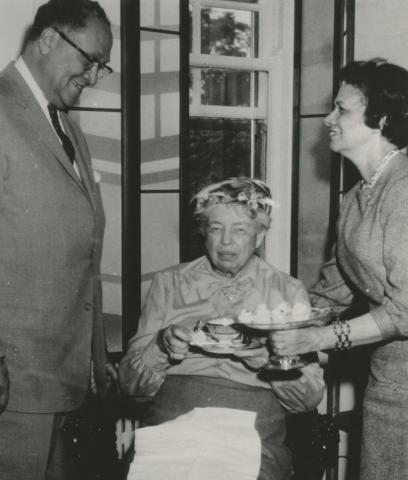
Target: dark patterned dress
[372,260]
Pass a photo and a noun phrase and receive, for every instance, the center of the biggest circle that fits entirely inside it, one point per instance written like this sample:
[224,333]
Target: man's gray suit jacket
[51,229]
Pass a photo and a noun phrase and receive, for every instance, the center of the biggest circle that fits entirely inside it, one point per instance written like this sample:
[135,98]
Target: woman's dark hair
[72,14]
[385,87]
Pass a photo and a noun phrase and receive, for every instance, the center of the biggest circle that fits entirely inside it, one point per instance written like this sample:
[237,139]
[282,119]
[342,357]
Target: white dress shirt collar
[24,71]
[33,86]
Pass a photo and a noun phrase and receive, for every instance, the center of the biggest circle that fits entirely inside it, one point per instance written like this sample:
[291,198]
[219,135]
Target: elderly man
[51,228]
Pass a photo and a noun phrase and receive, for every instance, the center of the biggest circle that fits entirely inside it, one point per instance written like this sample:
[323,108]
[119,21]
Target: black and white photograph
[203,240]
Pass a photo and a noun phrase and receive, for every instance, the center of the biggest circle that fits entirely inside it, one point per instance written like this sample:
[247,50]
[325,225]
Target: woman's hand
[174,340]
[254,358]
[4,385]
[293,342]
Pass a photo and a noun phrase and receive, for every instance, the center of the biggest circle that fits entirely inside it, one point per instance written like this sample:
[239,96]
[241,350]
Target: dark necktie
[66,142]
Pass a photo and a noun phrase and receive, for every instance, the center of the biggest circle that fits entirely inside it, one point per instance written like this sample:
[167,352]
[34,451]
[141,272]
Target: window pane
[260,136]
[159,84]
[229,32]
[159,14]
[219,148]
[225,87]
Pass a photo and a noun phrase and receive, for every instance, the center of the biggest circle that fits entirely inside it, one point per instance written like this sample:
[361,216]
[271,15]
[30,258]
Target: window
[235,50]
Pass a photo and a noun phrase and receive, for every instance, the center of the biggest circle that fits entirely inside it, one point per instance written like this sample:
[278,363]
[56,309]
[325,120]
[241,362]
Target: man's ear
[260,237]
[47,40]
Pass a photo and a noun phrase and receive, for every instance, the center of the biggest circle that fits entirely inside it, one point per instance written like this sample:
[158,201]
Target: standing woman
[369,126]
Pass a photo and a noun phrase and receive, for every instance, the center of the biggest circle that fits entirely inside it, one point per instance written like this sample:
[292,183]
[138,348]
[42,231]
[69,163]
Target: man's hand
[111,378]
[174,340]
[4,385]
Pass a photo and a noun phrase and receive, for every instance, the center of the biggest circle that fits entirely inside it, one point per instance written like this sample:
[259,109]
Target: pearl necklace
[379,170]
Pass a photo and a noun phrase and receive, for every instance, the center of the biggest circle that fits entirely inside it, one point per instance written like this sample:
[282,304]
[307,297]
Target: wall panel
[316,83]
[381,30]
[160,129]
[317,57]
[314,195]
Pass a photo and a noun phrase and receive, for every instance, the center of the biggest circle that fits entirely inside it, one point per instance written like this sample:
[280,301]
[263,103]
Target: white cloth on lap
[206,443]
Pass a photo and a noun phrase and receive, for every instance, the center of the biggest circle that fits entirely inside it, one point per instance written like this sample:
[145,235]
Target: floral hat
[250,192]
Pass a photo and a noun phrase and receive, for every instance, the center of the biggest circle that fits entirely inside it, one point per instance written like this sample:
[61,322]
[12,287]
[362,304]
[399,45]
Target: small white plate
[225,348]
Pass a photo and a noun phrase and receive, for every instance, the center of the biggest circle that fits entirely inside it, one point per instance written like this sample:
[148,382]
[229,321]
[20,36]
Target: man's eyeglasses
[91,62]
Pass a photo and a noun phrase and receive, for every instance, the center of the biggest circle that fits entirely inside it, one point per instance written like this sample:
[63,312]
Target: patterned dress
[184,295]
[372,260]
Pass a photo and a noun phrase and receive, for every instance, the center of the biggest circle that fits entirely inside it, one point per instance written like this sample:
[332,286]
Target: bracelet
[342,331]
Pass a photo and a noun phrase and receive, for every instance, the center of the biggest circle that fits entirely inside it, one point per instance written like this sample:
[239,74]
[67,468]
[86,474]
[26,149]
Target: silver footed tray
[318,317]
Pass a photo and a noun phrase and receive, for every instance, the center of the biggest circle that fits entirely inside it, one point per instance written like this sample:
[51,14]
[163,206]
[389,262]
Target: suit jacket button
[88,306]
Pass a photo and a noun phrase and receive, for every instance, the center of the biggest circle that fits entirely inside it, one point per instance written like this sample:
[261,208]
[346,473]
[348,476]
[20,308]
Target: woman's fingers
[256,358]
[176,341]
[292,342]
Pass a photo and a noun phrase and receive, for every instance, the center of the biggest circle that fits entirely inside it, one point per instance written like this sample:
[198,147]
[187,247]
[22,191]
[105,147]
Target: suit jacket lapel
[84,169]
[37,120]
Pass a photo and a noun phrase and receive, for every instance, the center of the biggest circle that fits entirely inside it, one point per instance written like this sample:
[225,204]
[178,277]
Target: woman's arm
[363,330]
[143,368]
[331,289]
[392,313]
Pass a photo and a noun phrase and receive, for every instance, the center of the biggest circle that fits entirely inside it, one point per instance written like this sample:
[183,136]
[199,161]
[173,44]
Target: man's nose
[92,75]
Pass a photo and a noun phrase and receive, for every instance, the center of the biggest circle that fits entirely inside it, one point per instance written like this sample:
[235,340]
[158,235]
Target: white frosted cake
[283,313]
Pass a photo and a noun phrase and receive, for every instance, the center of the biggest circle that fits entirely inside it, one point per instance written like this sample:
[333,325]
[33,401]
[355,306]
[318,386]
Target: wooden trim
[335,175]
[297,61]
[185,214]
[343,9]
[342,176]
[96,109]
[205,60]
[350,29]
[228,4]
[313,115]
[146,191]
[216,111]
[131,216]
[159,30]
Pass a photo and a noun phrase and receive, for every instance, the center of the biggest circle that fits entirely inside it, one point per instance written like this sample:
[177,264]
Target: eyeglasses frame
[92,60]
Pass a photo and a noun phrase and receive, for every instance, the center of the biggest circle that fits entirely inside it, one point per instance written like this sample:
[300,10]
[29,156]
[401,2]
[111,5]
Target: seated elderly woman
[163,366]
